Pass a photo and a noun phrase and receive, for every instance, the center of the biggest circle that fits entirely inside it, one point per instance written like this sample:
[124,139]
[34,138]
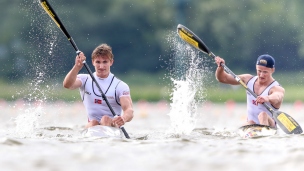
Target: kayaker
[116,91]
[263,85]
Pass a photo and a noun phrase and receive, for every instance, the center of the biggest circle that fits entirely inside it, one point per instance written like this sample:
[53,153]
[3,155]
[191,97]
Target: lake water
[46,137]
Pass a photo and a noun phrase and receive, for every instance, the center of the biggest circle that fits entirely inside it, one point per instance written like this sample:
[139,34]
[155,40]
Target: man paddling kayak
[263,84]
[116,91]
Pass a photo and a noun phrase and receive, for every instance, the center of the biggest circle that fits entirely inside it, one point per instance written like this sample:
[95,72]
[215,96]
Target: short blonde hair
[102,50]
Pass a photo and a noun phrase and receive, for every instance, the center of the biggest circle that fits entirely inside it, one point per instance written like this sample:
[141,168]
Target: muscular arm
[70,81]
[226,78]
[276,96]
[127,107]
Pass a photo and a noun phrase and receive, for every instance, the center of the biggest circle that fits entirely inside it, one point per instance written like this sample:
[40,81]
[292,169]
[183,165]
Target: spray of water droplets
[187,71]
[41,61]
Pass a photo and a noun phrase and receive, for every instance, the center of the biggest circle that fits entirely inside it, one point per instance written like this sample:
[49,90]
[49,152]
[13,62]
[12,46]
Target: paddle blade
[189,37]
[287,123]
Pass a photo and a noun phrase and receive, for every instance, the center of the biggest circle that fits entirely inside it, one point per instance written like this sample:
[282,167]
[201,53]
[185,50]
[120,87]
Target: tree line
[239,31]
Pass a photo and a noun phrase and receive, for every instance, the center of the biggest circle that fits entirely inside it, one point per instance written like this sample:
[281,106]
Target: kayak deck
[256,130]
[102,131]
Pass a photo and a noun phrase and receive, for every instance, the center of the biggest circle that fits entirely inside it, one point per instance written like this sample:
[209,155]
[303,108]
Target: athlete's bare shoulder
[277,88]
[245,77]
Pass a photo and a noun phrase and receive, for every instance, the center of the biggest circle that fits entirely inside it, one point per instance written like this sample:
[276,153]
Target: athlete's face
[264,74]
[102,66]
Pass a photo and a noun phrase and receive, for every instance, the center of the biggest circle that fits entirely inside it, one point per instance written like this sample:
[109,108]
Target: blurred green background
[35,55]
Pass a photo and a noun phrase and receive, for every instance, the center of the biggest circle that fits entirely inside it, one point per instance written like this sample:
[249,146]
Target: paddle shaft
[49,10]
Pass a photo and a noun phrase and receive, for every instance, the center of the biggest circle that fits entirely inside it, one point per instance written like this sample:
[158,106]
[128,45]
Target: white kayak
[256,130]
[102,131]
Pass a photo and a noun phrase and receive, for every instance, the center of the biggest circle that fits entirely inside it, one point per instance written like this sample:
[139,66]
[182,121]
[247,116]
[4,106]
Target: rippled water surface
[50,139]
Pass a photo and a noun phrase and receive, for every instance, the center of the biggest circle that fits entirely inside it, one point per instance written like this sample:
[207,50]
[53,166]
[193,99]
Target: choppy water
[50,140]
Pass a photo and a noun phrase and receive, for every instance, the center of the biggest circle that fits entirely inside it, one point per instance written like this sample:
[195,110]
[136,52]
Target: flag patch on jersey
[126,93]
[98,101]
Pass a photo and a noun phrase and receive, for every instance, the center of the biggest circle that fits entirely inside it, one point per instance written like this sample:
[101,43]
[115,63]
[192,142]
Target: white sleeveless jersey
[95,106]
[254,110]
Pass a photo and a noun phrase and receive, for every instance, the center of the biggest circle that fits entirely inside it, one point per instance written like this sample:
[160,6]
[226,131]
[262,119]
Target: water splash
[41,61]
[27,121]
[187,72]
